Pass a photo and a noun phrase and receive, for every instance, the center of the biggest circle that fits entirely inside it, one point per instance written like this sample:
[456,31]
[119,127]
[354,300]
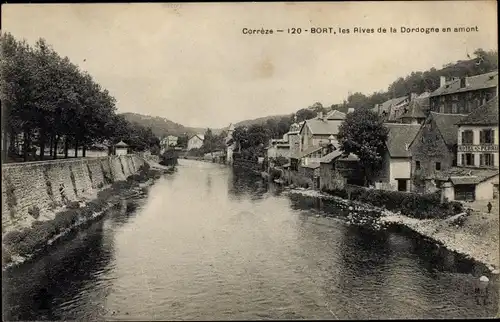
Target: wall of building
[461,103]
[330,179]
[194,143]
[476,142]
[485,189]
[46,184]
[276,151]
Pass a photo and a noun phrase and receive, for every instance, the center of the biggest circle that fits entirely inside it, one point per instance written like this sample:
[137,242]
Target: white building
[195,142]
[121,148]
[230,144]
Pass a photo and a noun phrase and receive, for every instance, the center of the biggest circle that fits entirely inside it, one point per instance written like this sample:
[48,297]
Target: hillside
[161,126]
[261,120]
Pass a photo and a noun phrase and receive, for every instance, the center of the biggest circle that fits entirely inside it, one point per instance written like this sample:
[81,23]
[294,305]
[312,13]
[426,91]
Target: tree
[305,114]
[363,134]
[182,141]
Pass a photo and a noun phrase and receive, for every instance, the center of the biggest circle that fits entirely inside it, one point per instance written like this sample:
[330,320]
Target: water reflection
[211,243]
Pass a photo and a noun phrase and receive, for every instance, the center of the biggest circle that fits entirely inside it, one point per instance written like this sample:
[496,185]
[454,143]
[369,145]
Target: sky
[192,64]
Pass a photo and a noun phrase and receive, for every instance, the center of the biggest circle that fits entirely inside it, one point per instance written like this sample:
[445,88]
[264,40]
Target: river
[210,243]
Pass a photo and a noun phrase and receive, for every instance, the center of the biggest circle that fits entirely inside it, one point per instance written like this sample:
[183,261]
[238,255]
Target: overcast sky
[191,63]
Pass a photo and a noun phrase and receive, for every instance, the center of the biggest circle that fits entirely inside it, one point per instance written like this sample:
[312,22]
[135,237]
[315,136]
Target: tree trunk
[51,144]
[26,145]
[76,148]
[56,143]
[84,151]
[66,147]
[5,145]
[42,145]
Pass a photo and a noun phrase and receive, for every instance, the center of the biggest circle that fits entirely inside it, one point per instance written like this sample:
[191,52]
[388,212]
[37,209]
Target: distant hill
[162,126]
[261,120]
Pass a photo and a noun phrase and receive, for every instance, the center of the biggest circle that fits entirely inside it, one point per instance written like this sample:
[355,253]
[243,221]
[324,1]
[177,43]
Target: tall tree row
[54,105]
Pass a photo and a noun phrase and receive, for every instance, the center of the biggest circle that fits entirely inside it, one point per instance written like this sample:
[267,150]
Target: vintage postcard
[247,161]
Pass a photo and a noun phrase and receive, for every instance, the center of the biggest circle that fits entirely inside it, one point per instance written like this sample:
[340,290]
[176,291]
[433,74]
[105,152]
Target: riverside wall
[48,184]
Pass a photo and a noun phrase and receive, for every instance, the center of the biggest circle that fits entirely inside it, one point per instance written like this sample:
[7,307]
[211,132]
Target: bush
[420,206]
[34,212]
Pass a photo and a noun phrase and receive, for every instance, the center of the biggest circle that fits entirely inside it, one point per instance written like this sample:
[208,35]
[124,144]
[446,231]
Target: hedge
[420,206]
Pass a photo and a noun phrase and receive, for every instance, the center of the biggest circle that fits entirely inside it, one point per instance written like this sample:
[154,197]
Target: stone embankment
[475,237]
[39,214]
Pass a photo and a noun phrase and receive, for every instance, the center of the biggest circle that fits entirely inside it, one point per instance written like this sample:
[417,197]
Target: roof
[473,83]
[121,144]
[416,108]
[386,106]
[335,115]
[200,136]
[447,126]
[350,157]
[487,114]
[306,152]
[466,175]
[311,165]
[399,138]
[331,156]
[322,127]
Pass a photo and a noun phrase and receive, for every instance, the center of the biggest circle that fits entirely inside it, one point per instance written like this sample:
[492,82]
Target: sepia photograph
[250,161]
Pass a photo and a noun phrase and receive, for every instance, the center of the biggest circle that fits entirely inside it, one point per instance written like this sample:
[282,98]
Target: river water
[210,243]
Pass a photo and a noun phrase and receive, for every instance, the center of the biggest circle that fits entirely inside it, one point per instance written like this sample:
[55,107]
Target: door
[402,184]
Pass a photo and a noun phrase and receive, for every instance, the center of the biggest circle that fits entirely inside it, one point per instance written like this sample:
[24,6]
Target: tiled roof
[350,157]
[200,136]
[388,105]
[321,127]
[301,154]
[415,109]
[486,114]
[330,156]
[465,175]
[335,115]
[447,126]
[121,144]
[312,165]
[399,138]
[473,83]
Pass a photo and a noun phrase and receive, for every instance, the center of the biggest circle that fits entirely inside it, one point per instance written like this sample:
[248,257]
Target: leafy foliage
[50,102]
[363,134]
[420,206]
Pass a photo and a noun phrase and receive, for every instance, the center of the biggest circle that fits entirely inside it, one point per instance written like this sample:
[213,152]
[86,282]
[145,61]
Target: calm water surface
[209,243]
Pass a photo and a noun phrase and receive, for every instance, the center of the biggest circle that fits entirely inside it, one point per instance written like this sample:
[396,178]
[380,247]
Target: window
[467,137]
[438,165]
[467,159]
[486,136]
[454,108]
[486,160]
[417,165]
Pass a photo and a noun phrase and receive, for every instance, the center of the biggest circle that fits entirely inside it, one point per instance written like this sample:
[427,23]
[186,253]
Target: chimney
[351,109]
[442,81]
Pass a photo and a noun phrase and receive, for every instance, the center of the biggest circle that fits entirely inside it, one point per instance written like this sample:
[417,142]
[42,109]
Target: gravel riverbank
[477,238]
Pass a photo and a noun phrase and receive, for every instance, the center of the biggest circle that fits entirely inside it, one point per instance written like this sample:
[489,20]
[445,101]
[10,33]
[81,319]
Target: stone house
[395,172]
[476,176]
[433,150]
[195,142]
[330,178]
[464,95]
[415,111]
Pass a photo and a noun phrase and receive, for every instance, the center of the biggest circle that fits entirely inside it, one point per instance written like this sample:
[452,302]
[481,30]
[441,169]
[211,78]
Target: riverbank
[33,238]
[476,238]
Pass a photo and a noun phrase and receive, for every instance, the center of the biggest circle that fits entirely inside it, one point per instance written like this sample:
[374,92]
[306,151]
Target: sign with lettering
[478,148]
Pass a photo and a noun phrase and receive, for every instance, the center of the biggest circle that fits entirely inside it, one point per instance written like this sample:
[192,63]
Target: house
[317,131]
[97,150]
[387,109]
[395,172]
[476,175]
[433,150]
[330,178]
[415,111]
[195,142]
[168,142]
[464,95]
[288,145]
[230,144]
[121,148]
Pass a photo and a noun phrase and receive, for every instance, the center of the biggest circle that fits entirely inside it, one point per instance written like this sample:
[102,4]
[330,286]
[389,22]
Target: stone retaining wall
[47,184]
